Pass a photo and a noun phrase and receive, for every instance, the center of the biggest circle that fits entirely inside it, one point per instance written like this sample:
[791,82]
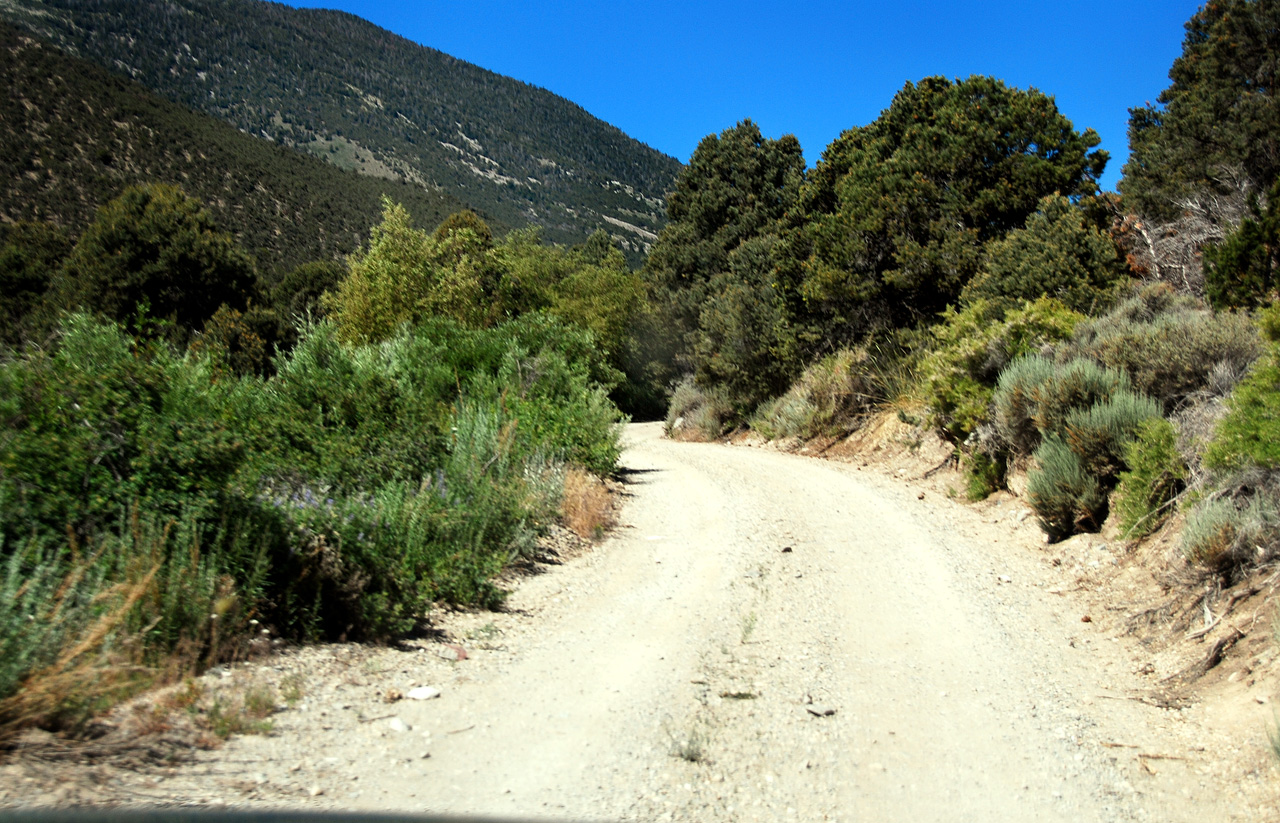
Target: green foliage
[340,496]
[1100,433]
[99,422]
[1056,254]
[1240,271]
[828,398]
[1231,529]
[982,474]
[1015,401]
[1217,118]
[1169,345]
[711,268]
[696,413]
[340,88]
[743,343]
[894,219]
[1035,396]
[969,349]
[1249,435]
[155,247]
[297,295]
[394,281]
[30,253]
[1082,416]
[1065,496]
[1156,475]
[588,285]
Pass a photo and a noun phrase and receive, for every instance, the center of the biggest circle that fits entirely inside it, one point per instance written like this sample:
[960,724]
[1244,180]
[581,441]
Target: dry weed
[587,506]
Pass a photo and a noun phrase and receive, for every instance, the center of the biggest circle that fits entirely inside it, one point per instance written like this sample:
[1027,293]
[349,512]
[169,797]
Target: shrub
[828,398]
[696,413]
[1014,401]
[972,346]
[1034,397]
[791,415]
[338,498]
[1100,433]
[1057,254]
[1156,475]
[1238,526]
[587,507]
[1240,270]
[1065,496]
[983,474]
[1170,346]
[1249,434]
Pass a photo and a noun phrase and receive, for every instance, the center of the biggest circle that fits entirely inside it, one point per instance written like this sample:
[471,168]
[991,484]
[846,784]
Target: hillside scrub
[972,346]
[1170,346]
[143,490]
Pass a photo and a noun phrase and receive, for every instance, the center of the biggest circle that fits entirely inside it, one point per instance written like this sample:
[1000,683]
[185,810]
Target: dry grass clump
[587,507]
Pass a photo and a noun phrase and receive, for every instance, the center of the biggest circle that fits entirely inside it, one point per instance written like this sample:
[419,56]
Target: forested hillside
[75,136]
[336,86]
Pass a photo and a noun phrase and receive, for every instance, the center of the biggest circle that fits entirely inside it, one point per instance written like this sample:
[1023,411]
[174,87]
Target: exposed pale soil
[768,636]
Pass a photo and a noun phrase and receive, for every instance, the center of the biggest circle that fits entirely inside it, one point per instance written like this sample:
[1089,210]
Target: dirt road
[765,637]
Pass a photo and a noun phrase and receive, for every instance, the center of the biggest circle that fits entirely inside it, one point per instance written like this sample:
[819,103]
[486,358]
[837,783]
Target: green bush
[1014,402]
[696,413]
[1249,434]
[983,474]
[791,415]
[972,346]
[340,497]
[1057,254]
[1065,496]
[1240,270]
[1156,474]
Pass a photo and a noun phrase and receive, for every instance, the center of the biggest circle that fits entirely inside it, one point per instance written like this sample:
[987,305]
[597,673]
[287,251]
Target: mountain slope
[75,136]
[361,97]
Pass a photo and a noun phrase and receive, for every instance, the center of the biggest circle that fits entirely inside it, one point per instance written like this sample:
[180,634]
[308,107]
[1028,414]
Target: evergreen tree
[1219,120]
[736,188]
[893,220]
[1056,254]
[30,253]
[1243,271]
[155,247]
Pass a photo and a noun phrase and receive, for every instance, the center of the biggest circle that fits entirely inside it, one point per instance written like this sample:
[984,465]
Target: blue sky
[669,73]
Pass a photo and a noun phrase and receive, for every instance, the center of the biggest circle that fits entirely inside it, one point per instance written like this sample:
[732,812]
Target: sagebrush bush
[1238,526]
[1014,401]
[1156,474]
[1100,433]
[1170,346]
[1035,396]
[828,398]
[1065,496]
[697,413]
[971,347]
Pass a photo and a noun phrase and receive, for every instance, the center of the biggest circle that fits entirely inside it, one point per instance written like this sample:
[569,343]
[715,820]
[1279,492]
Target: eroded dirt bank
[765,636]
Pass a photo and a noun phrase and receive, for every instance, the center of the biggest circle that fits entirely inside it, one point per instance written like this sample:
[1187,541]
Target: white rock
[423,693]
[398,725]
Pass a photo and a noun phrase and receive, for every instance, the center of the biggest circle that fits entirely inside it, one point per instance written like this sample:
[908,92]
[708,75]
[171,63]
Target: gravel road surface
[764,637]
